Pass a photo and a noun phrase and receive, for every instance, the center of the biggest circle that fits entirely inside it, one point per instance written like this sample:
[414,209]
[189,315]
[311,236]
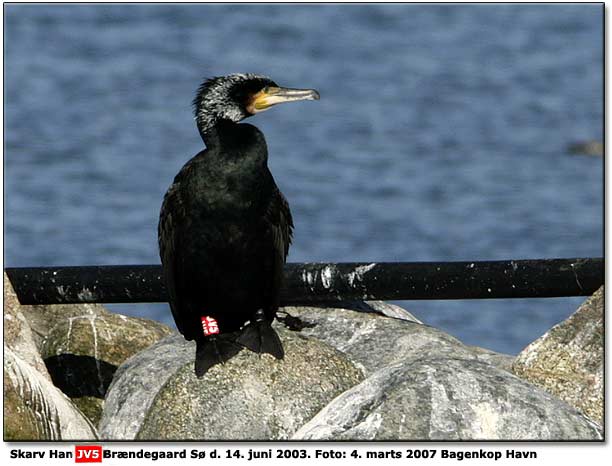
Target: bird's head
[238,96]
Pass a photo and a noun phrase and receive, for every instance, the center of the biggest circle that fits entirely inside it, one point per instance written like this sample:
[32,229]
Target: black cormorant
[225,227]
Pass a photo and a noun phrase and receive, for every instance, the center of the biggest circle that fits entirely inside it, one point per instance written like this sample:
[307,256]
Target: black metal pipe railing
[309,283]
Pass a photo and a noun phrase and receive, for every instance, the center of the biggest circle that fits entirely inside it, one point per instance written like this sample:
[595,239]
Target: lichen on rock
[567,361]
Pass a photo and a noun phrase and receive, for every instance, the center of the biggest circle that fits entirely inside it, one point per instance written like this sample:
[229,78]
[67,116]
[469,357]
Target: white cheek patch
[233,114]
[216,104]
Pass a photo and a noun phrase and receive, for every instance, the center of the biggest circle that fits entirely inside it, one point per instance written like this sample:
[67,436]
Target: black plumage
[225,227]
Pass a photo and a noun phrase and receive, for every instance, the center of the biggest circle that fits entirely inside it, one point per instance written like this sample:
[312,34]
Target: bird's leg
[260,337]
[259,319]
[213,348]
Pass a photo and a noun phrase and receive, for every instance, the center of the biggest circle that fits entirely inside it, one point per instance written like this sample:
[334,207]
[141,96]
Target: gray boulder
[423,384]
[375,307]
[250,397]
[446,399]
[34,409]
[18,334]
[86,345]
[371,340]
[137,381]
[420,384]
[567,361]
[42,318]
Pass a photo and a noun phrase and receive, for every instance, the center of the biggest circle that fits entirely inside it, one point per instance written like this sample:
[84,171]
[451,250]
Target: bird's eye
[265,89]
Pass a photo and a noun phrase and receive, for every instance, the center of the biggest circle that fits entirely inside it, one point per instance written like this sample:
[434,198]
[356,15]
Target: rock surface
[424,384]
[567,361]
[446,399]
[251,397]
[420,384]
[18,334]
[34,409]
[133,389]
[499,360]
[83,350]
[43,318]
[131,396]
[372,341]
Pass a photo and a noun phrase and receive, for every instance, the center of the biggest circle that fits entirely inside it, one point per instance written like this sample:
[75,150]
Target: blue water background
[441,135]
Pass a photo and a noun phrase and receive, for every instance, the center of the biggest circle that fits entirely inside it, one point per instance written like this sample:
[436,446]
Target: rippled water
[441,134]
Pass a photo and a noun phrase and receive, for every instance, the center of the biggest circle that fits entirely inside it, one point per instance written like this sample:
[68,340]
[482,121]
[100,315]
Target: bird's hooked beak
[270,96]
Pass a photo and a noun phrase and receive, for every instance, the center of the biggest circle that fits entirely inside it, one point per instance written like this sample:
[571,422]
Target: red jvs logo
[209,326]
[87,454]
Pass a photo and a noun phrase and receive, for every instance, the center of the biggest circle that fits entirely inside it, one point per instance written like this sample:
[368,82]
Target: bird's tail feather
[260,337]
[213,350]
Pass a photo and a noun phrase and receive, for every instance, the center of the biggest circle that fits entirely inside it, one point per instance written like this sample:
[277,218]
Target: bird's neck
[231,140]
[216,132]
